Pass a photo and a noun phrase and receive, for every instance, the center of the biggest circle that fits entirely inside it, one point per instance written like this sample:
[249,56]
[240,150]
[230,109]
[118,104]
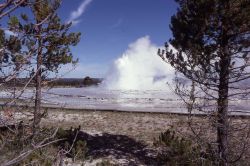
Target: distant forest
[74,82]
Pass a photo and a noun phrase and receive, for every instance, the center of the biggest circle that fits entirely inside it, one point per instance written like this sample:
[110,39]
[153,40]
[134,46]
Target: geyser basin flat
[124,100]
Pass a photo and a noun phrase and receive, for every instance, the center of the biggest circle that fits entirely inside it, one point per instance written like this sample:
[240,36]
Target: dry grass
[142,127]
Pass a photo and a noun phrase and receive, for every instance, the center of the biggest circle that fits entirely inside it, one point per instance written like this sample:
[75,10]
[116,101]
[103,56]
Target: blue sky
[108,26]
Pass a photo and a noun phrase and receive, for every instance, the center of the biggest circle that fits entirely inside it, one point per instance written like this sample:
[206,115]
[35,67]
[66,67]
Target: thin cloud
[117,24]
[74,15]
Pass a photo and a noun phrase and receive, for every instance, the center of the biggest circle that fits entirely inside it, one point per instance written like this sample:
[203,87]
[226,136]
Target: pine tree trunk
[222,126]
[38,94]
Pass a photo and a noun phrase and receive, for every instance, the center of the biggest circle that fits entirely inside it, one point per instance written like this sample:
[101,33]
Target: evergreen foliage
[180,151]
[212,39]
[46,43]
[45,26]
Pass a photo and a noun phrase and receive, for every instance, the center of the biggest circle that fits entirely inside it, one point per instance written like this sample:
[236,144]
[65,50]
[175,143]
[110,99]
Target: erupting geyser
[139,68]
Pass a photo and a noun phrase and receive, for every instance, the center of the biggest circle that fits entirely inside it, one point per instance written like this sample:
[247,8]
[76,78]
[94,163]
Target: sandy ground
[127,137]
[140,126]
[123,137]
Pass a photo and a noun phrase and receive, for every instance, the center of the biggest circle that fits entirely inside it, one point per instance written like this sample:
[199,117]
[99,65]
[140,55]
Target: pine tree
[212,38]
[10,46]
[8,6]
[48,41]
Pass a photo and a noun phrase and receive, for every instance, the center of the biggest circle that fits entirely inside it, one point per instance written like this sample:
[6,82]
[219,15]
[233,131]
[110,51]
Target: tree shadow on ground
[120,147]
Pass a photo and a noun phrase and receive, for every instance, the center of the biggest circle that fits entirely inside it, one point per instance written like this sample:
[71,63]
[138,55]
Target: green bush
[176,150]
[79,150]
[15,144]
[45,156]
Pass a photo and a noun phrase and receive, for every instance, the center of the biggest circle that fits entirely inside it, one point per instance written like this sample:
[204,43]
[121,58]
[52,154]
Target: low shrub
[14,144]
[176,150]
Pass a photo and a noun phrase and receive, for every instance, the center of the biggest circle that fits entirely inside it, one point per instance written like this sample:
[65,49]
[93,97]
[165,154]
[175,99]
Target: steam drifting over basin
[137,81]
[139,68]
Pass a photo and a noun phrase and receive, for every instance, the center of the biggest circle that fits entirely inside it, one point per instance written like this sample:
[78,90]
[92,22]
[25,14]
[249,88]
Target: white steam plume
[139,68]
